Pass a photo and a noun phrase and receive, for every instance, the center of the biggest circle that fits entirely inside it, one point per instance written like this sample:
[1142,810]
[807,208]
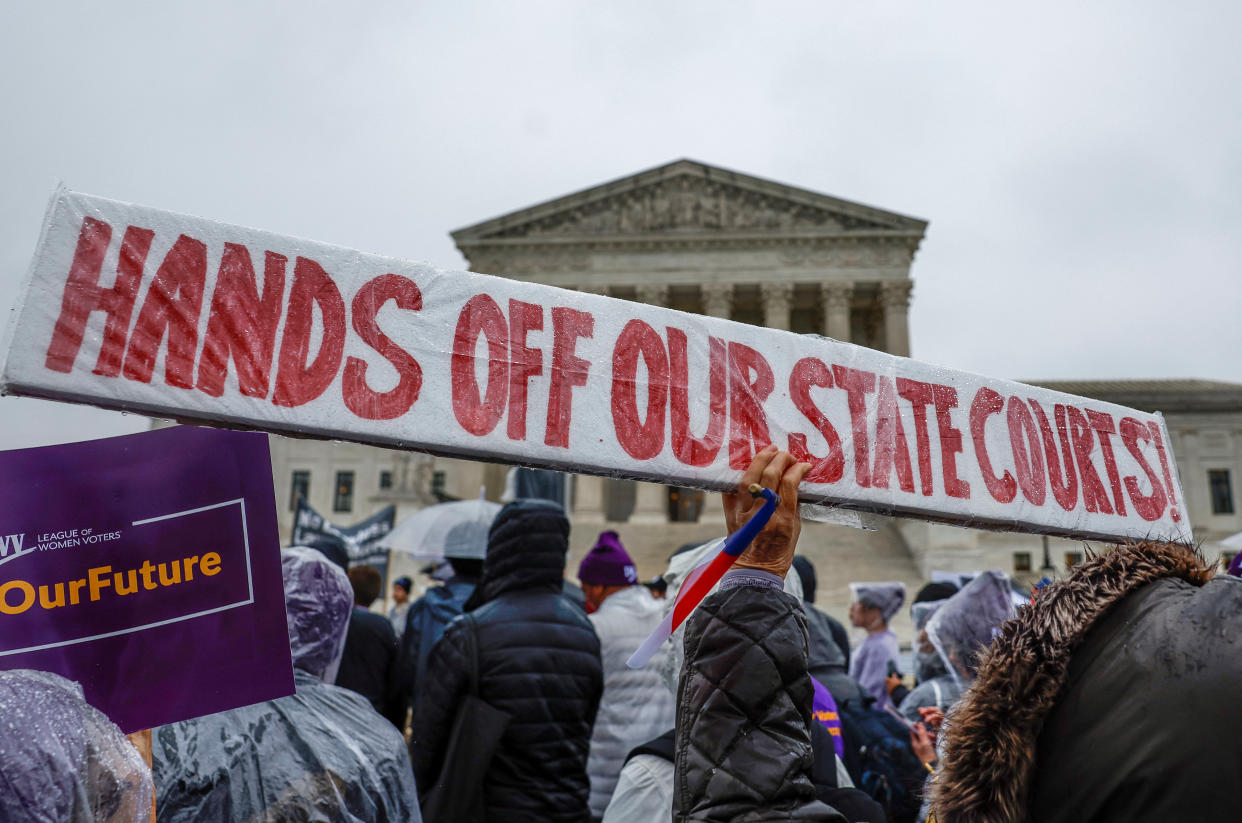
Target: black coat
[744,712]
[368,664]
[538,660]
[1112,697]
[1155,689]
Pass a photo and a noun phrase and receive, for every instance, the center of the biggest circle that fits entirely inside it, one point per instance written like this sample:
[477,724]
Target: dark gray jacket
[743,745]
[1113,697]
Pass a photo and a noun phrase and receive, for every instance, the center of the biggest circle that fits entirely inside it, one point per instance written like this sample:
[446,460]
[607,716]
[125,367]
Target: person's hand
[773,548]
[891,682]
[923,743]
[932,716]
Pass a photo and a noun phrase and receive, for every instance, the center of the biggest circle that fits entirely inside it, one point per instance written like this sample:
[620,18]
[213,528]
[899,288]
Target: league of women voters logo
[155,571]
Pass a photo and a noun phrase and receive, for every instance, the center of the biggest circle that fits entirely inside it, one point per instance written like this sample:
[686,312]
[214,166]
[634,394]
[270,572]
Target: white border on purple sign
[249,581]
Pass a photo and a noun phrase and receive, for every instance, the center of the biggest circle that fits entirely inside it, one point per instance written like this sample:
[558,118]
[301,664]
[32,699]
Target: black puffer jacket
[538,660]
[1113,697]
[744,710]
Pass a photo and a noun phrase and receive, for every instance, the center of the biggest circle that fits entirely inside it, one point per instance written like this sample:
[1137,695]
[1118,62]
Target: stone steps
[841,554]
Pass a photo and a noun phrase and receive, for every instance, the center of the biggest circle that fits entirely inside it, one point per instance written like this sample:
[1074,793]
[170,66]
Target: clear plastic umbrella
[457,529]
[1233,541]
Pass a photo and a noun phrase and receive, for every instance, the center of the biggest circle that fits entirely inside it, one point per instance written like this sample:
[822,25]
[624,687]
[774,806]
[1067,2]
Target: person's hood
[318,602]
[61,759]
[447,601]
[887,596]
[988,745]
[806,573]
[968,621]
[526,550]
[927,664]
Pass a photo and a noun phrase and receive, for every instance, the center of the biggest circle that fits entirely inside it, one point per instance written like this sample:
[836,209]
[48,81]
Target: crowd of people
[504,694]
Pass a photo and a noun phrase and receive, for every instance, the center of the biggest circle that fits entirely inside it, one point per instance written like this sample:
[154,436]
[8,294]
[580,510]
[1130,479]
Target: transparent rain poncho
[935,686]
[322,754]
[62,760]
[887,597]
[927,662]
[964,625]
[318,600]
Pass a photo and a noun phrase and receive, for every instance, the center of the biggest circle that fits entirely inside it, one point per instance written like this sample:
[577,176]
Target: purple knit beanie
[608,563]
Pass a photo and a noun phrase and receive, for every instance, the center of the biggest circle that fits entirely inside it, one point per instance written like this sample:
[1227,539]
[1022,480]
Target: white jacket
[637,704]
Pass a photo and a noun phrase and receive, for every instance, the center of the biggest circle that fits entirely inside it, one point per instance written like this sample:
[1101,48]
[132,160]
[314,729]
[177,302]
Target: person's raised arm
[743,745]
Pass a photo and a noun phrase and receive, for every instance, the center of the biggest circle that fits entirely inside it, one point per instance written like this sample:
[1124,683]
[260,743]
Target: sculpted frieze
[687,204]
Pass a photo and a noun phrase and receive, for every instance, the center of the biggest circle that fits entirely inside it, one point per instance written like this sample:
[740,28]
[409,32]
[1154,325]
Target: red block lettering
[524,362]
[1094,497]
[1149,506]
[242,324]
[1064,485]
[687,448]
[568,370]
[298,379]
[986,403]
[1103,425]
[479,415]
[83,295]
[808,372]
[857,385]
[891,447]
[360,398]
[750,383]
[1028,458]
[641,440]
[1158,439]
[945,398]
[172,304]
[920,397]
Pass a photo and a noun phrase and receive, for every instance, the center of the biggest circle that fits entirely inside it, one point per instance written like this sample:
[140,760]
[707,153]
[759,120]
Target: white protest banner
[133,308]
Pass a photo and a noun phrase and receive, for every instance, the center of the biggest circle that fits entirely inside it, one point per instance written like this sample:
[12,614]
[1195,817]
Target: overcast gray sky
[1081,167]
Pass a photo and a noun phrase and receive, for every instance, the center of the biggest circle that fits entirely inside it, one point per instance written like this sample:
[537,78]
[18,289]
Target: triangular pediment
[686,197]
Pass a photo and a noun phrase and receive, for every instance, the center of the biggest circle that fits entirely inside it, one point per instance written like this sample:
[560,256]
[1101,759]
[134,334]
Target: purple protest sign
[824,710]
[147,568]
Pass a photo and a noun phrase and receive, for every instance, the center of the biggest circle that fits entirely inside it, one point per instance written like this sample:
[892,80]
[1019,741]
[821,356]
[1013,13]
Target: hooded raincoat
[62,760]
[539,661]
[322,754]
[935,686]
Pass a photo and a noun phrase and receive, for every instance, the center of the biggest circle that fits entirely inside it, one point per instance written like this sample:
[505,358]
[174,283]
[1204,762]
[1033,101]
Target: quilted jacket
[743,745]
[538,661]
[637,704]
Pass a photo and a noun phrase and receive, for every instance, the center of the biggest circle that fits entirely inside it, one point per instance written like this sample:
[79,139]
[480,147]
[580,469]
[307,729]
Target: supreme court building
[698,238]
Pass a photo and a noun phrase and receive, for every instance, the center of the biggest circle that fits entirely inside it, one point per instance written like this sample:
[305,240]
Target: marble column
[589,498]
[654,294]
[650,503]
[837,298]
[717,299]
[895,297]
[777,300]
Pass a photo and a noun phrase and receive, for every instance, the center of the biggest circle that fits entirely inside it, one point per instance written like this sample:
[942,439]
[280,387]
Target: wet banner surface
[146,567]
[129,307]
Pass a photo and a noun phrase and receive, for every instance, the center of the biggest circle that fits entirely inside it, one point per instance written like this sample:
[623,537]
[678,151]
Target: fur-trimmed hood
[990,737]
